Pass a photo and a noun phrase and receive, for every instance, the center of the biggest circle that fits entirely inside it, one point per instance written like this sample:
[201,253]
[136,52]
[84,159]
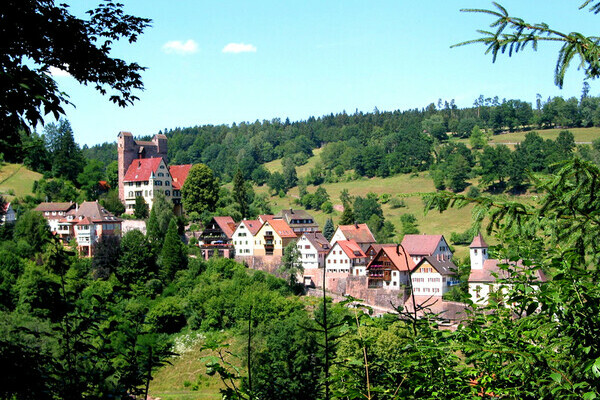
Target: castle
[144,171]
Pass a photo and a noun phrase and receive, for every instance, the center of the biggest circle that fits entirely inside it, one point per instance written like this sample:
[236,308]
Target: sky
[224,62]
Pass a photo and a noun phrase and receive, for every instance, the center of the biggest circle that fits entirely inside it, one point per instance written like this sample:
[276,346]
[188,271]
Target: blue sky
[219,62]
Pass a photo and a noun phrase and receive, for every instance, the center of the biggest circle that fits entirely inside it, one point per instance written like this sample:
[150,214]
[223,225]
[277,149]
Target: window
[475,251]
[167,192]
[161,174]
[167,183]
[158,183]
[145,193]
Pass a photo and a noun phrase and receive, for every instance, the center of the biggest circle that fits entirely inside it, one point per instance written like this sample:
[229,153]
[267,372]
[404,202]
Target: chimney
[398,249]
[356,225]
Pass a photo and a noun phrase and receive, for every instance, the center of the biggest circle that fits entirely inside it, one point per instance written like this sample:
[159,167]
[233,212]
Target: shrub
[167,316]
[397,203]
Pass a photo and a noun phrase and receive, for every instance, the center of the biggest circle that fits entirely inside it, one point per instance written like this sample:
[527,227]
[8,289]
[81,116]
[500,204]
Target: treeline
[371,144]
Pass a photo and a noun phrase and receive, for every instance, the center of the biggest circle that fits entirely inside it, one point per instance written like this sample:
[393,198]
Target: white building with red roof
[346,257]
[434,276]
[487,274]
[243,237]
[419,246]
[360,233]
[390,269]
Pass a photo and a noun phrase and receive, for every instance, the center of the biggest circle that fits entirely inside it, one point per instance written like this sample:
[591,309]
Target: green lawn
[17,180]
[302,170]
[582,135]
[406,186]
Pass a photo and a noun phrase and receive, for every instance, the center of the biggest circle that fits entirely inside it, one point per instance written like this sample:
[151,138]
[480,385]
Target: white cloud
[179,47]
[239,48]
[58,72]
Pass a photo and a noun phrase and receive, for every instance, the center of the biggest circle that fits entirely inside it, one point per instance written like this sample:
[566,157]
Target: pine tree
[140,209]
[160,217]
[328,229]
[240,193]
[347,216]
[173,256]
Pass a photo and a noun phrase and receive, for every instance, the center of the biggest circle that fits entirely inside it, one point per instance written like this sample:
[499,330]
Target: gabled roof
[265,217]
[397,257]
[478,242]
[253,225]
[84,221]
[227,225]
[140,169]
[289,215]
[444,266]
[282,228]
[318,241]
[43,207]
[351,248]
[376,247]
[179,174]
[360,233]
[491,268]
[94,212]
[421,245]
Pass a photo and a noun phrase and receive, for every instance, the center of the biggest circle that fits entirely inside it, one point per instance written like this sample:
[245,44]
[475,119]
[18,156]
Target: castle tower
[129,149]
[478,250]
[126,150]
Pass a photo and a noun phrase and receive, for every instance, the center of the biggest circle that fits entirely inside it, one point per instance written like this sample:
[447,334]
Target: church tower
[478,251]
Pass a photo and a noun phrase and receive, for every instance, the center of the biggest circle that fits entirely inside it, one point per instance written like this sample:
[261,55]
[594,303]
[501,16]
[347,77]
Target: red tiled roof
[282,228]
[4,208]
[140,169]
[265,217]
[360,233]
[397,257]
[351,248]
[179,174]
[421,245]
[253,225]
[227,225]
[478,241]
[84,221]
[376,247]
[491,268]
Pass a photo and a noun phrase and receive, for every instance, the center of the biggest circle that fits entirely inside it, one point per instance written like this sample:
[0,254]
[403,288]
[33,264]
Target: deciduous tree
[200,192]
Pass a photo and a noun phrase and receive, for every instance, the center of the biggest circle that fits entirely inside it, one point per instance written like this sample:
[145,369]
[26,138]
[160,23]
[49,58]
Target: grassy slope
[17,178]
[582,135]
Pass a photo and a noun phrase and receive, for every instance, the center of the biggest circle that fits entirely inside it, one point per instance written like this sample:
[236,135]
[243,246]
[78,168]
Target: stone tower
[478,251]
[129,149]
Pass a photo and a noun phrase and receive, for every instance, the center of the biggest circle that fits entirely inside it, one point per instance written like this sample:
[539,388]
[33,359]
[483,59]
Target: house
[346,257]
[299,220]
[272,237]
[419,246]
[216,238]
[243,237]
[434,276]
[7,214]
[262,218]
[54,212]
[313,248]
[390,269]
[360,233]
[486,272]
[87,224]
[142,167]
[374,249]
[144,178]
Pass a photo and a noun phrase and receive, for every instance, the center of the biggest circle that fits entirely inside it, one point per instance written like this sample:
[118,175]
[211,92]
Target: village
[417,271]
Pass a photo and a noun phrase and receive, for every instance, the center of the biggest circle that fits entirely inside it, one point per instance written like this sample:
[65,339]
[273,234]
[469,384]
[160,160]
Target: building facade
[360,233]
[243,237]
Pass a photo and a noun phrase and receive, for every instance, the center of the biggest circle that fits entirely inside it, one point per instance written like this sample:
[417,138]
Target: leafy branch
[513,34]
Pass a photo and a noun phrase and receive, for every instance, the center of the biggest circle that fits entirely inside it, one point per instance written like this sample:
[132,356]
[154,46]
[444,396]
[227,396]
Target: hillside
[16,180]
[581,135]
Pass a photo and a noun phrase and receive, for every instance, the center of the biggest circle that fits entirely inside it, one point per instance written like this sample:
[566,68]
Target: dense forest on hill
[379,143]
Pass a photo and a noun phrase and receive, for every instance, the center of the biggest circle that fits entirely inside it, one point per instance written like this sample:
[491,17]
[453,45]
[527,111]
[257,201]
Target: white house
[54,212]
[243,237]
[433,276]
[419,246]
[360,233]
[313,248]
[485,272]
[346,257]
[7,214]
